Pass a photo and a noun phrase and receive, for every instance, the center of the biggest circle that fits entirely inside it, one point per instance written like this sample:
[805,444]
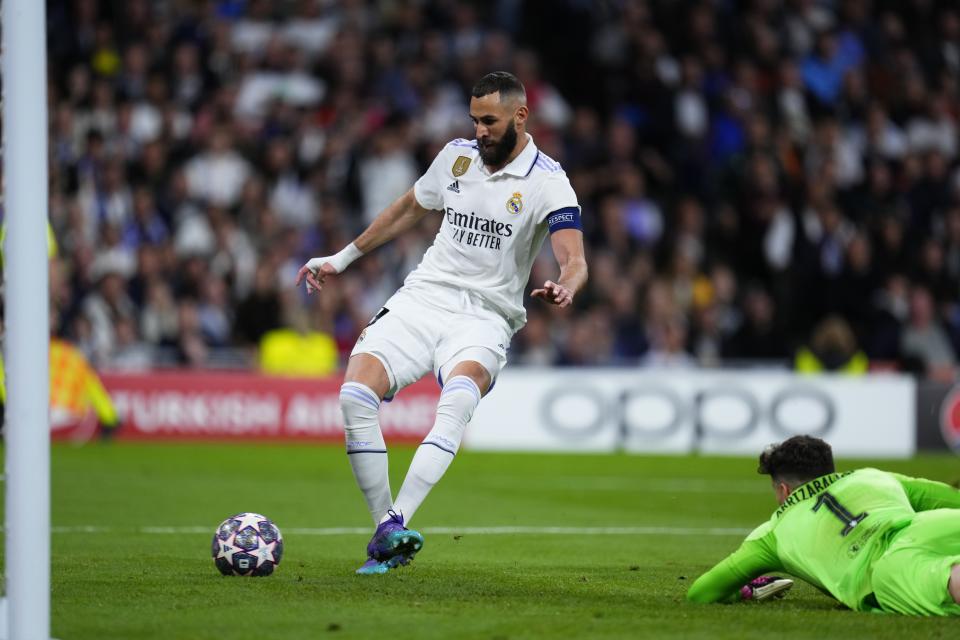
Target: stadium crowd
[756,176]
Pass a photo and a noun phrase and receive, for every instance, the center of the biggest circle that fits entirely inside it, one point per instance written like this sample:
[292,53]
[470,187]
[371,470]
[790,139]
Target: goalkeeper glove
[765,587]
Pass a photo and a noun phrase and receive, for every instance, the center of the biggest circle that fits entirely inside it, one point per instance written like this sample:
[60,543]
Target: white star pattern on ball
[265,552]
[250,530]
[249,520]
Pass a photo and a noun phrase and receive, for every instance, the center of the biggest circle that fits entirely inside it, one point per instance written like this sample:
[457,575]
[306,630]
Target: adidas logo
[454,186]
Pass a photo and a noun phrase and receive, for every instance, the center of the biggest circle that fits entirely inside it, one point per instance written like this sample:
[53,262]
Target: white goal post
[26,306]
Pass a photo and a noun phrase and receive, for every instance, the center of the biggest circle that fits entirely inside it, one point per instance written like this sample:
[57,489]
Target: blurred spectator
[215,313]
[159,324]
[588,343]
[832,348]
[290,197]
[832,57]
[924,340]
[217,175]
[534,343]
[759,337]
[103,308]
[292,352]
[146,226]
[259,312]
[387,171]
[706,341]
[640,216]
[310,29]
[129,353]
[191,348]
[668,339]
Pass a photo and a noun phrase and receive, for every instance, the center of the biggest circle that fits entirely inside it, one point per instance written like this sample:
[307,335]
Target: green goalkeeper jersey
[828,532]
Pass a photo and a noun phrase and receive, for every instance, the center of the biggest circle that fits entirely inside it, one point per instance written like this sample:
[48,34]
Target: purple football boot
[391,546]
[765,587]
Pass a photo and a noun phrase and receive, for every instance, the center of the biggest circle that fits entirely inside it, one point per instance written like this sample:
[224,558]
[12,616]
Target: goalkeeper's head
[794,462]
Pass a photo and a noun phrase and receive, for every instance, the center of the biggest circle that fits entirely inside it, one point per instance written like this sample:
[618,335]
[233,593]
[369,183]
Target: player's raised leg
[466,384]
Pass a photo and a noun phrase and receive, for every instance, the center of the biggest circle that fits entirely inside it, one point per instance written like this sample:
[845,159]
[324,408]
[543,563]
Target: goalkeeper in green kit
[875,541]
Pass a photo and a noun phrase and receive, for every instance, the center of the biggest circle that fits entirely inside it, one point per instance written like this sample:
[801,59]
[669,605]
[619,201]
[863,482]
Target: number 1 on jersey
[849,520]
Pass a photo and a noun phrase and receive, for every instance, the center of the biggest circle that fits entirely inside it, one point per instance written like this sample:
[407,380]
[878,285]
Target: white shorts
[428,328]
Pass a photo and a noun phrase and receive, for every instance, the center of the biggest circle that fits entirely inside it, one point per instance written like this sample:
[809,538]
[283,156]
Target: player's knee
[953,585]
[459,399]
[359,404]
[457,402]
[474,371]
[368,370]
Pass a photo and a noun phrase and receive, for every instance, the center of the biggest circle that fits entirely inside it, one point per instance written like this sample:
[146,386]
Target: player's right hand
[765,587]
[315,272]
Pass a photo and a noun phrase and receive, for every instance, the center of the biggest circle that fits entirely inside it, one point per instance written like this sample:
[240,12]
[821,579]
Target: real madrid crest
[515,204]
[460,166]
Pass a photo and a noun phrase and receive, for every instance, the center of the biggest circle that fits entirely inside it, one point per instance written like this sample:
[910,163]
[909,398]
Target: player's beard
[496,154]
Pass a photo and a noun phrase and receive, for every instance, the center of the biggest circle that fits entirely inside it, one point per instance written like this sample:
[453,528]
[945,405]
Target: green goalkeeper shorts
[912,576]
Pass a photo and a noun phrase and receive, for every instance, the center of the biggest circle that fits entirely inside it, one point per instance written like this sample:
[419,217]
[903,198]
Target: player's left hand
[554,293]
[766,587]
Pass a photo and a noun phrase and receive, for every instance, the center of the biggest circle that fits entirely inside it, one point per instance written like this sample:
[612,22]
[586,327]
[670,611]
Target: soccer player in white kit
[457,311]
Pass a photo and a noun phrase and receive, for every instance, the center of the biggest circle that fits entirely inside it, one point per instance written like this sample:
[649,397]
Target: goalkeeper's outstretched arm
[723,583]
[929,494]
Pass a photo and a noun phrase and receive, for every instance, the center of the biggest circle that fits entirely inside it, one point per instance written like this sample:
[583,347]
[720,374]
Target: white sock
[458,401]
[365,446]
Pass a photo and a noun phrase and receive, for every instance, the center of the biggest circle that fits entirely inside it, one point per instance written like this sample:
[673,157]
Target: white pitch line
[636,485]
[592,531]
[480,531]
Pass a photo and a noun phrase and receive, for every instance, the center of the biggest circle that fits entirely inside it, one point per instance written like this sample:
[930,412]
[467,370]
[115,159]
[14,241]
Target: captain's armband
[566,218]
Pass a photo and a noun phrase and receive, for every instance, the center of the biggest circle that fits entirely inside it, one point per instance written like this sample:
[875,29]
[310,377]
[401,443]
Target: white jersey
[493,224]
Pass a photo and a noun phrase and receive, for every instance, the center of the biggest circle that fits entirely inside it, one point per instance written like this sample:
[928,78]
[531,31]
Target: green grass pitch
[118,580]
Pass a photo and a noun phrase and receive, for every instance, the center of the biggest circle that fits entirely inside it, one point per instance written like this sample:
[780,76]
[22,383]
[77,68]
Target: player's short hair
[797,460]
[505,82]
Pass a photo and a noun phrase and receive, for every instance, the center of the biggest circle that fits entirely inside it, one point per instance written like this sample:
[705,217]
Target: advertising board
[727,412]
[588,410]
[215,405]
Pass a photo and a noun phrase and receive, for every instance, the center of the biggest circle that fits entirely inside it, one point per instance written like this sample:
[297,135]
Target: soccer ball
[247,544]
